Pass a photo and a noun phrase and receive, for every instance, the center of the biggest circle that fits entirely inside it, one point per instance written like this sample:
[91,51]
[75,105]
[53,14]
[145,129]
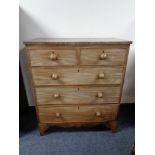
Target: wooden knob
[99,95]
[53,56]
[98,114]
[56,95]
[55,76]
[57,114]
[103,56]
[101,76]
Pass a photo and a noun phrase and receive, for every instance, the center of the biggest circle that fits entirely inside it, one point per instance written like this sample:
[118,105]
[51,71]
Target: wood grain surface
[77,95]
[76,41]
[84,113]
[64,57]
[91,56]
[80,75]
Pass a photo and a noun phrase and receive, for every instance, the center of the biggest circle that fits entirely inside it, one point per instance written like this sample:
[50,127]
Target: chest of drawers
[77,82]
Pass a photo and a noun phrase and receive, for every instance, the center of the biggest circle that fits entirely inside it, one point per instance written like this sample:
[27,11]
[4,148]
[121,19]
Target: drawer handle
[54,76]
[53,56]
[57,114]
[98,114]
[99,95]
[103,56]
[56,95]
[101,76]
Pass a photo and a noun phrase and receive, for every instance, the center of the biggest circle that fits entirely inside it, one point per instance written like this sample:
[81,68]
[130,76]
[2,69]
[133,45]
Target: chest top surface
[76,41]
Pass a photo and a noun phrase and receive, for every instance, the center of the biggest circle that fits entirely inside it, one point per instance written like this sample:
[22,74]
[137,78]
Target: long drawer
[77,75]
[77,95]
[84,113]
[101,56]
[53,57]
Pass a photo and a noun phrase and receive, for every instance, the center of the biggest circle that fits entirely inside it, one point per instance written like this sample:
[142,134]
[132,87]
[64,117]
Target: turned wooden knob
[98,114]
[99,95]
[55,76]
[53,56]
[103,56]
[56,95]
[101,76]
[57,114]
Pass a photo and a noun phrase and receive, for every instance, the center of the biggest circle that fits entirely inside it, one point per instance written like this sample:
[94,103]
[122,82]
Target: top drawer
[53,57]
[100,56]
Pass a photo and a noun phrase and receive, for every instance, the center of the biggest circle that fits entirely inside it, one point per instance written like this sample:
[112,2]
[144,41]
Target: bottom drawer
[71,113]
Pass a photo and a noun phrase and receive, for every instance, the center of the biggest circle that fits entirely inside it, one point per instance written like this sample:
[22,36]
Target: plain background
[79,19]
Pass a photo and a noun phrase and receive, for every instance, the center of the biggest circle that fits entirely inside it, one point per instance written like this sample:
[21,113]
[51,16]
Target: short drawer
[53,57]
[84,113]
[99,56]
[77,76]
[77,95]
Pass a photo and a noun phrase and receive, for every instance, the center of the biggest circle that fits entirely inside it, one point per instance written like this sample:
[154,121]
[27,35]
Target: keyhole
[78,70]
[78,107]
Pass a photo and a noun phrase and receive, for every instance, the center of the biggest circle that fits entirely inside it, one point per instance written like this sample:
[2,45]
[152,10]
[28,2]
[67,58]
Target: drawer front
[53,57]
[99,56]
[76,76]
[77,95]
[84,113]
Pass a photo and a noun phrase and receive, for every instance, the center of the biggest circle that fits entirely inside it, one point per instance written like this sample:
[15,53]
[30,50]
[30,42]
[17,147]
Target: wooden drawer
[53,57]
[77,95]
[77,76]
[84,113]
[99,56]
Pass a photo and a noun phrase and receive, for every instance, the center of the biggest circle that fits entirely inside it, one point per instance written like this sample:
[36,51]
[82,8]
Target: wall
[80,18]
